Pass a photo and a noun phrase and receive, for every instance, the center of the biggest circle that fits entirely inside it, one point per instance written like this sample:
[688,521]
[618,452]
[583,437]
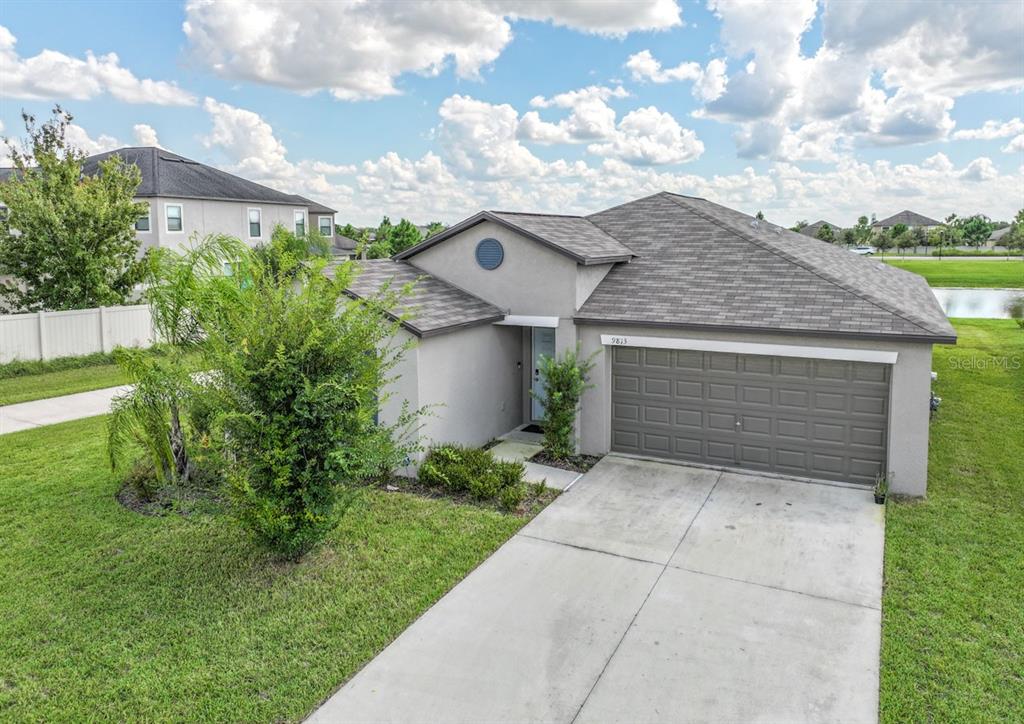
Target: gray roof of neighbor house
[908,218]
[999,233]
[433,307]
[812,229]
[168,174]
[702,265]
[573,236]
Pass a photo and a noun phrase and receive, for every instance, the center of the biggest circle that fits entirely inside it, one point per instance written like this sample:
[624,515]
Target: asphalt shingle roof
[703,265]
[909,218]
[433,306]
[812,229]
[168,174]
[574,236]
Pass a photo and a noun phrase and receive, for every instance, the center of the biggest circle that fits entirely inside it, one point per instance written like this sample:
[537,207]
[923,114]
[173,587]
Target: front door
[543,344]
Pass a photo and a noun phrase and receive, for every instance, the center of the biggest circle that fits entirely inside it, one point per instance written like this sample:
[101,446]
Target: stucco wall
[908,405]
[203,217]
[587,279]
[532,279]
[474,377]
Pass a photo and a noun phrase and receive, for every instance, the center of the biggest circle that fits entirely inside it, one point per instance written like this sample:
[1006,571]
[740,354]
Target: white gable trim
[770,350]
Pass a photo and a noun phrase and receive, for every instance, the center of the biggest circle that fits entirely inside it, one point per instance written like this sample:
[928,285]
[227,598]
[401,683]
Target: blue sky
[803,109]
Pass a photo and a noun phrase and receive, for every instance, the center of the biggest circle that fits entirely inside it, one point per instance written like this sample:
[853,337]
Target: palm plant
[149,414]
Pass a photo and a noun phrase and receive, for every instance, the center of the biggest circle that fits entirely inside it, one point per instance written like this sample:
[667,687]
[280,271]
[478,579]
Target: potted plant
[881,488]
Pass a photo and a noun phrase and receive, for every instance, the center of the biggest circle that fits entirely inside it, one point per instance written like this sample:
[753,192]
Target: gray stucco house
[186,197]
[717,339]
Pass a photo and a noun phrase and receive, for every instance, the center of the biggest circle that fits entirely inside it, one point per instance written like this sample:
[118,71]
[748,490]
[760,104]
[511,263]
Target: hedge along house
[718,339]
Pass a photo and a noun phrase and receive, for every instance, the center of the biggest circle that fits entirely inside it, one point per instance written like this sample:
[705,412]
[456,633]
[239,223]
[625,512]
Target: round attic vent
[489,253]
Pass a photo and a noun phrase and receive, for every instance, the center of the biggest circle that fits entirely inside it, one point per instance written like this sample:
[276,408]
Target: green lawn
[966,273]
[110,615]
[953,609]
[54,384]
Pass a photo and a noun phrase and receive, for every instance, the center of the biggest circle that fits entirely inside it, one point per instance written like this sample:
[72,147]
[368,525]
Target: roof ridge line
[532,213]
[817,272]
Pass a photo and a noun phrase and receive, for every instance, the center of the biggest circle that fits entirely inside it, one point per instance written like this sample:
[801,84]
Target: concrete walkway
[26,415]
[652,592]
[519,451]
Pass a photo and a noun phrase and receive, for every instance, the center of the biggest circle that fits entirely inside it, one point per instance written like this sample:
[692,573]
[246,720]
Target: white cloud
[709,82]
[992,129]
[357,50]
[647,137]
[145,135]
[480,139]
[591,117]
[54,75]
[254,152]
[881,76]
[980,169]
[1016,145]
[79,138]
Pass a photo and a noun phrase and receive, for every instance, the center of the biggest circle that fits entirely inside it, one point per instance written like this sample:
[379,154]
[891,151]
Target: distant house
[910,219]
[997,237]
[813,229]
[186,197]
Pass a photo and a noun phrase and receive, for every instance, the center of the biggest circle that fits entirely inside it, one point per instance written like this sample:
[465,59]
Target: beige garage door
[812,418]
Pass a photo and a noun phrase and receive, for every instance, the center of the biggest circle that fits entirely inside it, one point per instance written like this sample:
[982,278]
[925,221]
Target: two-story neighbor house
[186,197]
[717,339]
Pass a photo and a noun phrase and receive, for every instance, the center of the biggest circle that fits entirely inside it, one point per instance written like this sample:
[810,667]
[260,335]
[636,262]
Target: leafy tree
[564,383]
[884,241]
[299,370]
[150,414]
[286,244]
[349,231]
[947,236]
[974,230]
[67,241]
[1014,239]
[404,236]
[384,230]
[899,230]
[435,227]
[848,237]
[862,230]
[919,236]
[825,233]
[903,240]
[798,225]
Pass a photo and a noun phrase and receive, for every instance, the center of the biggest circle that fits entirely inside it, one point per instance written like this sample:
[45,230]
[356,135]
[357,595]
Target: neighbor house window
[142,223]
[300,223]
[255,223]
[174,216]
[326,227]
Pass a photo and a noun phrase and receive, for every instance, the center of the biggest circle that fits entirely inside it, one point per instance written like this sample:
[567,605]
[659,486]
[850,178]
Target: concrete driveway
[652,592]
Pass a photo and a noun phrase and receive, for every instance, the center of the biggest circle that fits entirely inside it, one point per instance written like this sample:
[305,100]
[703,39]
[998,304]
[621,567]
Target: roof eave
[891,337]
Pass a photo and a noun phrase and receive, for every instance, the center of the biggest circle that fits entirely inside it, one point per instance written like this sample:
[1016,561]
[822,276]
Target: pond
[986,303]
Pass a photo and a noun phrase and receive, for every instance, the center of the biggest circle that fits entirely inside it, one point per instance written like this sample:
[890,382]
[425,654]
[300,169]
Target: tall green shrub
[564,383]
[299,368]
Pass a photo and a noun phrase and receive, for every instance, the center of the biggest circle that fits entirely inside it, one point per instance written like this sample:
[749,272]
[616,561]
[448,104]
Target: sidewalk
[36,413]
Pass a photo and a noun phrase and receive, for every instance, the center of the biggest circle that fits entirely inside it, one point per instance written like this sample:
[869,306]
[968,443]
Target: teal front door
[543,344]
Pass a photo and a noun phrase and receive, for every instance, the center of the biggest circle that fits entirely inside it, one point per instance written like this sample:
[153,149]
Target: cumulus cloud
[53,75]
[590,118]
[708,82]
[145,135]
[648,137]
[980,169]
[878,78]
[79,138]
[1016,145]
[253,151]
[992,129]
[359,50]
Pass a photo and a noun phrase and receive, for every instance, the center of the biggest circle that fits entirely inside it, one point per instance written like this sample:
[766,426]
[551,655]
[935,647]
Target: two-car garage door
[806,417]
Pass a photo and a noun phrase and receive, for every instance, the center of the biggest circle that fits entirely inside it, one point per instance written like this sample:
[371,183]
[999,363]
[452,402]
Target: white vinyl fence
[46,335]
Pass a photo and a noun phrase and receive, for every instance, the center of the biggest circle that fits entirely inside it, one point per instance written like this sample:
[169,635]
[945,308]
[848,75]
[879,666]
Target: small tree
[974,230]
[299,369]
[564,383]
[799,225]
[920,237]
[759,215]
[404,236]
[825,233]
[150,414]
[903,240]
[435,227]
[67,241]
[883,241]
[1014,239]
[862,230]
[349,231]
[848,237]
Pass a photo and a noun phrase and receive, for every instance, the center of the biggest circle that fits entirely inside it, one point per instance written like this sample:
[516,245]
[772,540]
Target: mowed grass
[54,384]
[110,615]
[998,274]
[953,608]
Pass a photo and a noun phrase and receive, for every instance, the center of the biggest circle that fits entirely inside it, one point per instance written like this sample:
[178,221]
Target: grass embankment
[961,273]
[111,615]
[953,608]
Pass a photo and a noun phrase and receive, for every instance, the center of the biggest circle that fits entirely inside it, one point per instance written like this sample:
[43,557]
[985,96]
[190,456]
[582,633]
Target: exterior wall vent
[489,254]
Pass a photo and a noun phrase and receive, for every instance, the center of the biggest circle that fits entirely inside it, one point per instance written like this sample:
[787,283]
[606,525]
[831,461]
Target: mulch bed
[170,500]
[530,506]
[575,463]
